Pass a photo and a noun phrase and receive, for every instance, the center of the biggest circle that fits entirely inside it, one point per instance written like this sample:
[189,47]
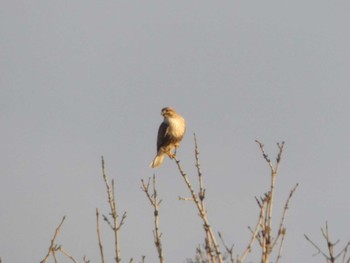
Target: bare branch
[121,223]
[266,241]
[202,213]
[66,254]
[319,251]
[153,198]
[255,232]
[278,159]
[112,203]
[51,248]
[344,251]
[201,196]
[99,236]
[185,198]
[266,157]
[330,245]
[228,250]
[283,234]
[281,229]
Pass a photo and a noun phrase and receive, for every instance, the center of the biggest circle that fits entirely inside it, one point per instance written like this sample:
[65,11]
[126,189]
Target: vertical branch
[157,234]
[99,236]
[52,245]
[268,242]
[112,203]
[330,244]
[202,211]
[153,198]
[201,196]
[201,189]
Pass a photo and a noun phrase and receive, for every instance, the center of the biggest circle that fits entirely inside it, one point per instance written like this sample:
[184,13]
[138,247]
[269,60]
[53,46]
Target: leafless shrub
[269,237]
[262,232]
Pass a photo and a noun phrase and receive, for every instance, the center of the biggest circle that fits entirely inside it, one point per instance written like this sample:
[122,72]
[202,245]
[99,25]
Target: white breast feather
[176,127]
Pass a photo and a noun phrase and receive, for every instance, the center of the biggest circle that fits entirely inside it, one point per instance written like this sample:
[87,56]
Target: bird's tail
[158,160]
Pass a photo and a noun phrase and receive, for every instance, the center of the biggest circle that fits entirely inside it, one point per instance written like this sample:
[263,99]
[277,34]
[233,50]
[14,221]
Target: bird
[170,133]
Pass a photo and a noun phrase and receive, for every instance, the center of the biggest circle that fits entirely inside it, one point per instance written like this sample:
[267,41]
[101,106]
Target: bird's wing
[163,136]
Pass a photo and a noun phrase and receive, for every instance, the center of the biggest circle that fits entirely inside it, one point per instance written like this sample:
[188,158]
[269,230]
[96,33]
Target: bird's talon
[171,155]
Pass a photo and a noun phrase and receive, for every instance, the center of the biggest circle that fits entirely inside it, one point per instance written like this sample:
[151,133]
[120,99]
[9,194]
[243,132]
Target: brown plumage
[170,133]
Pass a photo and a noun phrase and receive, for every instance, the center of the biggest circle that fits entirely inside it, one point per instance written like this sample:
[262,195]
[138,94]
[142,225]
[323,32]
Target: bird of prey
[170,133]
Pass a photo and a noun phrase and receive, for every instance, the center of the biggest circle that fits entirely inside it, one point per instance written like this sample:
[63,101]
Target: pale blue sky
[81,79]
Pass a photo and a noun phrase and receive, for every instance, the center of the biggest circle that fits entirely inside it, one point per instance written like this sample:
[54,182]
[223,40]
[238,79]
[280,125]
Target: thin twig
[54,254]
[330,246]
[153,198]
[255,232]
[228,250]
[279,256]
[202,212]
[66,254]
[201,196]
[99,236]
[319,251]
[185,198]
[112,203]
[344,251]
[51,248]
[267,241]
[286,206]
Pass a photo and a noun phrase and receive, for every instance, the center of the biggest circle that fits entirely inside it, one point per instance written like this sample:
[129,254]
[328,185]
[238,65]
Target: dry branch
[229,250]
[115,225]
[265,238]
[99,236]
[330,257]
[281,229]
[52,245]
[199,201]
[262,206]
[201,196]
[153,198]
[66,254]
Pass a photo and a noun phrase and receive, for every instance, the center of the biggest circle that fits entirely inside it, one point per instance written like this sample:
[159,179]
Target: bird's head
[168,112]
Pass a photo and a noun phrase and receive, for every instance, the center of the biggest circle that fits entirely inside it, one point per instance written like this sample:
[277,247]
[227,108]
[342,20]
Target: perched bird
[170,133]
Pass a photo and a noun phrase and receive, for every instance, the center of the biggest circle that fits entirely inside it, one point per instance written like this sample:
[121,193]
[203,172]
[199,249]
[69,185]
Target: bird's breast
[177,127]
